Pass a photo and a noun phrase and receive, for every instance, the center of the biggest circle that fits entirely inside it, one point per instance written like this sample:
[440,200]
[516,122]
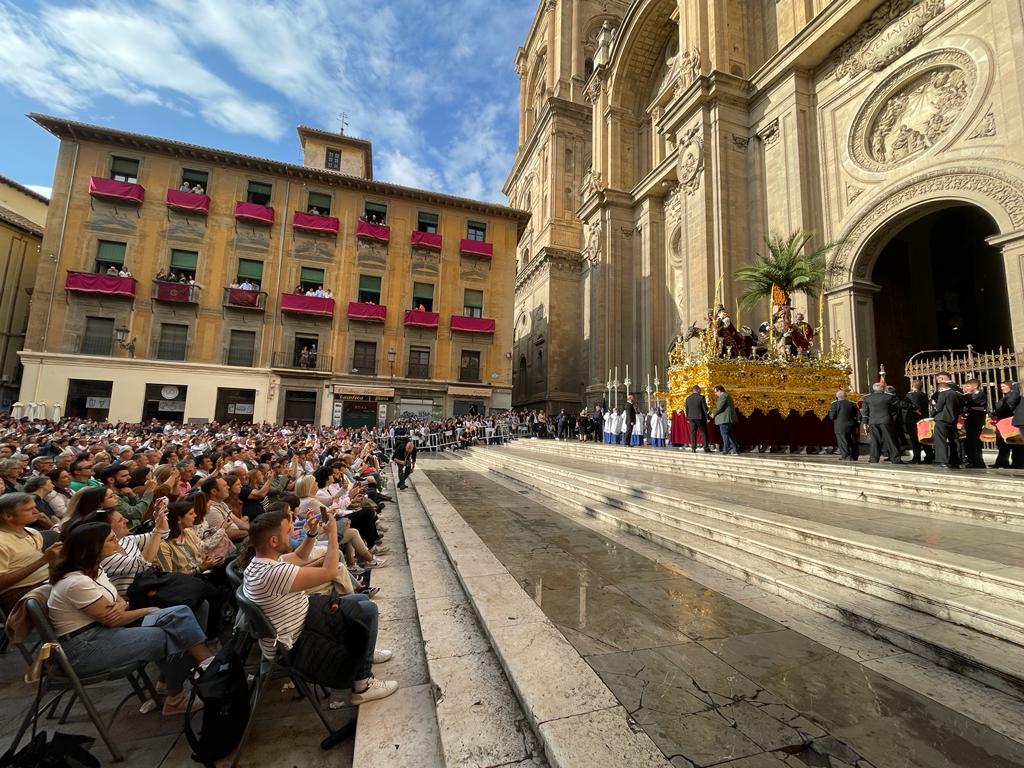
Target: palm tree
[790,268]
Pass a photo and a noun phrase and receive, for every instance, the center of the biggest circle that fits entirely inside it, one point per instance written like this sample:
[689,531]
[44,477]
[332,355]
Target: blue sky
[431,84]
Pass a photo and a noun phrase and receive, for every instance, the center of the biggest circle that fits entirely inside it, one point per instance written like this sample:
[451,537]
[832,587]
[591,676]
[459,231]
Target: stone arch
[639,50]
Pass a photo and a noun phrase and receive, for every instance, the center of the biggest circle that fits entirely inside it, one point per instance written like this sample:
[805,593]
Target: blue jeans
[164,637]
[728,441]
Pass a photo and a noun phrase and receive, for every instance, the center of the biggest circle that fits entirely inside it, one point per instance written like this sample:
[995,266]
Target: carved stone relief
[691,160]
[188,226]
[986,128]
[371,253]
[913,109]
[592,247]
[471,267]
[425,261]
[251,237]
[313,247]
[111,217]
[770,133]
[591,182]
[892,30]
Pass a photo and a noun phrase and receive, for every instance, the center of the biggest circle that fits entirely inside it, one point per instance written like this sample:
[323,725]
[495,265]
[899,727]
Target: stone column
[651,302]
[851,313]
[1012,246]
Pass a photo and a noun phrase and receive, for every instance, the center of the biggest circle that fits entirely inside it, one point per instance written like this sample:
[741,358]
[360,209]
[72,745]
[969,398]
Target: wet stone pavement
[712,682]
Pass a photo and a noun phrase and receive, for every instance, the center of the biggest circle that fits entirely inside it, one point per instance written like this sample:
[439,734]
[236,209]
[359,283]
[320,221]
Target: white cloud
[46,192]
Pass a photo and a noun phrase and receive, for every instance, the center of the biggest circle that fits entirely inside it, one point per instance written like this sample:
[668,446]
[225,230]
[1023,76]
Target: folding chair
[258,626]
[59,676]
[233,574]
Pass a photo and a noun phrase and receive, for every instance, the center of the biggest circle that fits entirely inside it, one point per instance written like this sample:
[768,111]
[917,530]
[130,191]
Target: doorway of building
[299,406]
[942,287]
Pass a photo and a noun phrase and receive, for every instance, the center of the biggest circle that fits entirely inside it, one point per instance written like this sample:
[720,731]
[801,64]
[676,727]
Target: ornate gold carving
[912,109]
[893,29]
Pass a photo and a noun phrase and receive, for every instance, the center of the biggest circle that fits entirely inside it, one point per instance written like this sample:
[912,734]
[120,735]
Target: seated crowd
[89,512]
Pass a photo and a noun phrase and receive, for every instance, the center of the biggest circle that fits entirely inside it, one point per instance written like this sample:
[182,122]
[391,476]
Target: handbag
[154,588]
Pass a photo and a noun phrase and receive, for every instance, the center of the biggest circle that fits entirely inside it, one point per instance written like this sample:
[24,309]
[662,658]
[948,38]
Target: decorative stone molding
[913,109]
[673,203]
[592,93]
[592,182]
[852,193]
[592,249]
[371,254]
[740,142]
[547,261]
[986,128]
[1000,189]
[770,133]
[892,30]
[691,160]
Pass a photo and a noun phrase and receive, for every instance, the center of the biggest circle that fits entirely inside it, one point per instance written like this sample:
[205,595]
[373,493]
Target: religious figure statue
[604,45]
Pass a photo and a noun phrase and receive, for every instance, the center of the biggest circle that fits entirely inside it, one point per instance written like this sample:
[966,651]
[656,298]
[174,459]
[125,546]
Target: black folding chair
[233,574]
[258,626]
[59,677]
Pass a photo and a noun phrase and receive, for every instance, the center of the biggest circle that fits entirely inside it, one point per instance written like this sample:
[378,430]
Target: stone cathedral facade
[660,142]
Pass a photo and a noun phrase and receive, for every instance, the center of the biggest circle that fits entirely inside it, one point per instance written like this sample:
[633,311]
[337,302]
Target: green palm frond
[788,265]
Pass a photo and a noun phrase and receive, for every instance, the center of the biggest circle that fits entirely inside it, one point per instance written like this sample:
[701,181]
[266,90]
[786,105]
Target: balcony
[367,231]
[116,191]
[311,222]
[251,213]
[175,293]
[418,371]
[367,313]
[239,298]
[415,318]
[104,285]
[307,305]
[429,240]
[187,202]
[293,361]
[472,324]
[469,375]
[476,248]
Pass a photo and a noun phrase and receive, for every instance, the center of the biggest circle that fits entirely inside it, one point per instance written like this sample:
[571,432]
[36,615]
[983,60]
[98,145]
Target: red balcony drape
[189,202]
[472,324]
[373,231]
[373,313]
[476,248]
[311,222]
[87,282]
[117,191]
[307,305]
[421,319]
[430,240]
[261,214]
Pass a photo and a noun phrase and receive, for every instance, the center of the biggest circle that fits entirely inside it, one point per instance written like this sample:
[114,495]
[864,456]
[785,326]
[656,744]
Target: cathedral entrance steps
[974,633]
[966,494]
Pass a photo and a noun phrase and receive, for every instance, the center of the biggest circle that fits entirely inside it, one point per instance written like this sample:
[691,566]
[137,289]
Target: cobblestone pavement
[712,682]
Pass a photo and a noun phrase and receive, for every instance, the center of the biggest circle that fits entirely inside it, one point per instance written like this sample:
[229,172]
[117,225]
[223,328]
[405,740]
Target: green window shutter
[184,260]
[369,283]
[110,253]
[310,275]
[124,166]
[319,200]
[250,269]
[474,299]
[423,291]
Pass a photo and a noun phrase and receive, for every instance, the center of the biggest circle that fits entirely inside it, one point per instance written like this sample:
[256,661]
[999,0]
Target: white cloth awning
[469,392]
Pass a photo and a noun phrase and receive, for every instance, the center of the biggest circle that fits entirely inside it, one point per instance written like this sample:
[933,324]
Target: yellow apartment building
[22,218]
[186,283]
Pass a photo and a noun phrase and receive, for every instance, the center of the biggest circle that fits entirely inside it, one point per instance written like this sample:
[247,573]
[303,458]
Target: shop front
[356,407]
[469,401]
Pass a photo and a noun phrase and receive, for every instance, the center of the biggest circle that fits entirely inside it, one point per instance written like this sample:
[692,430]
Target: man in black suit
[947,408]
[877,413]
[697,414]
[846,421]
[627,436]
[923,454]
[976,405]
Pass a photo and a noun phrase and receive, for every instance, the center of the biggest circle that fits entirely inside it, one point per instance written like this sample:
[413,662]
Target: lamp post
[657,384]
[120,334]
[391,364]
[608,387]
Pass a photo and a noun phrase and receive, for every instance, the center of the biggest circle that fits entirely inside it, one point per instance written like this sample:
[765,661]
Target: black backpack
[224,691]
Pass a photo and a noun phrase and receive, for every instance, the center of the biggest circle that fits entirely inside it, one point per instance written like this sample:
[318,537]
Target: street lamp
[391,362]
[120,334]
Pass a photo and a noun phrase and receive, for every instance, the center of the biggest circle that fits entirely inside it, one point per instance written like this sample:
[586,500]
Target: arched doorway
[941,286]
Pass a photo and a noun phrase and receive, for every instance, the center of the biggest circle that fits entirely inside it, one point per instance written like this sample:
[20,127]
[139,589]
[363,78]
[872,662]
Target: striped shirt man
[268,584]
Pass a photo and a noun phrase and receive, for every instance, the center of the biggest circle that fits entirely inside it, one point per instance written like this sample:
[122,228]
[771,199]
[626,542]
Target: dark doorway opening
[299,406]
[942,287]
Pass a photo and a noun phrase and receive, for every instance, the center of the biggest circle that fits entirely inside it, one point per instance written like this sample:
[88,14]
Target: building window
[333,160]
[369,289]
[427,222]
[198,181]
[311,278]
[469,366]
[88,399]
[419,363]
[473,306]
[305,352]
[319,203]
[364,358]
[124,169]
[183,264]
[423,297]
[376,213]
[98,337]
[259,193]
[110,257]
[250,271]
[173,342]
[242,348]
[476,230]
[165,402]
[235,405]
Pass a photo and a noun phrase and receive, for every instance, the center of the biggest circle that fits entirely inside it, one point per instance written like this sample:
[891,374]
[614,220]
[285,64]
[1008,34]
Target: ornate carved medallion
[913,109]
[691,160]
[893,29]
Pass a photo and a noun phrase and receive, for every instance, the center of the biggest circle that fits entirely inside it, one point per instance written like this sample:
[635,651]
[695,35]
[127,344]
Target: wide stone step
[989,660]
[967,495]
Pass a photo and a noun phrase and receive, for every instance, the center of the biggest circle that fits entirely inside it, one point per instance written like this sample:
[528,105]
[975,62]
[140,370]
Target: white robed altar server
[659,428]
[637,438]
[608,420]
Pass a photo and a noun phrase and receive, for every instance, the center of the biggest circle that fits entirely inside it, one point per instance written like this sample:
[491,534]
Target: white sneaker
[380,655]
[380,549]
[375,563]
[377,689]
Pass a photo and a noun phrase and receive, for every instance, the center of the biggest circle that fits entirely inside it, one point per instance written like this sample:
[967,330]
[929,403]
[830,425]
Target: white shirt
[73,593]
[122,569]
[268,583]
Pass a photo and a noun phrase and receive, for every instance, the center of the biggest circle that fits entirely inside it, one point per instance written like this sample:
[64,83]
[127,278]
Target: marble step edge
[974,573]
[980,504]
[1007,485]
[579,702]
[985,613]
[984,659]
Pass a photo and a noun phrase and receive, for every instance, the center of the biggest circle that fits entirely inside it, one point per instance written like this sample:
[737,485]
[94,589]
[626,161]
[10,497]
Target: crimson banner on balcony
[373,231]
[430,240]
[374,313]
[472,324]
[261,214]
[239,297]
[476,248]
[116,190]
[421,319]
[312,222]
[87,282]
[179,292]
[307,305]
[187,201]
